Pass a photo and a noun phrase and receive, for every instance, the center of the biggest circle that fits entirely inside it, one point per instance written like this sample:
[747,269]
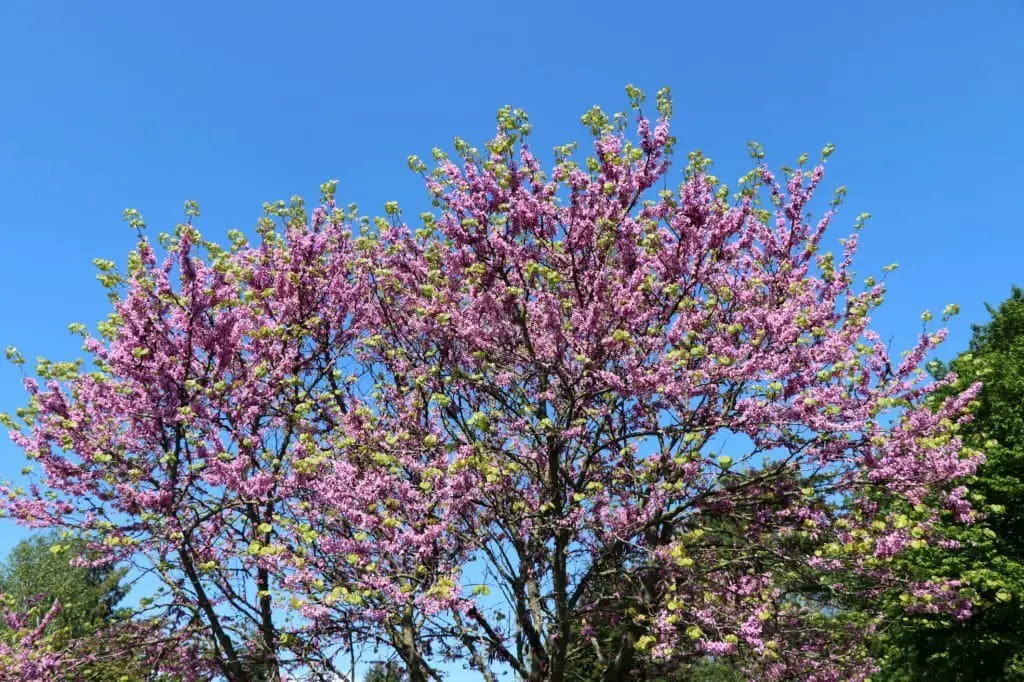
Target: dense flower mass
[566,421]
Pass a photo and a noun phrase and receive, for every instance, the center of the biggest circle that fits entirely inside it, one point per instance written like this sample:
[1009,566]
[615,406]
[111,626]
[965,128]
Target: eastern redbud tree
[570,419]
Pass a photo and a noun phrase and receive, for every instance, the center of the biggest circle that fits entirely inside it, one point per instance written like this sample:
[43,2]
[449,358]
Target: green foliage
[37,572]
[384,672]
[990,645]
[37,569]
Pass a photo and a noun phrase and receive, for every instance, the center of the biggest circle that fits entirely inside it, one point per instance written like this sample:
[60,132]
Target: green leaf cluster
[990,645]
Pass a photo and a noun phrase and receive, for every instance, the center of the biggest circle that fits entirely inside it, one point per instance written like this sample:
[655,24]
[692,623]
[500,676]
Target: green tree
[37,572]
[989,645]
[38,569]
[385,672]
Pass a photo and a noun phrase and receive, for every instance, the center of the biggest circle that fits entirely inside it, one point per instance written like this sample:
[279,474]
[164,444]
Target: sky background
[106,105]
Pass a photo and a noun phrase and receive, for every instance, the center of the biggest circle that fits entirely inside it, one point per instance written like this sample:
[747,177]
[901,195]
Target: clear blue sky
[106,105]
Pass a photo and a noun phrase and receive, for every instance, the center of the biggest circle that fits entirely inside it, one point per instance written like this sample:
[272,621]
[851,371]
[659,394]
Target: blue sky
[106,105]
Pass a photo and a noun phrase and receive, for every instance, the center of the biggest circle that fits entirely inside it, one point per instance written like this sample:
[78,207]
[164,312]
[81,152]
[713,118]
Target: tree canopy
[567,399]
[989,555]
[37,571]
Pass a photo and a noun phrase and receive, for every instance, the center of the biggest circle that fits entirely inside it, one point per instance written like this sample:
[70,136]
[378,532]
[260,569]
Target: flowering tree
[181,446]
[565,402]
